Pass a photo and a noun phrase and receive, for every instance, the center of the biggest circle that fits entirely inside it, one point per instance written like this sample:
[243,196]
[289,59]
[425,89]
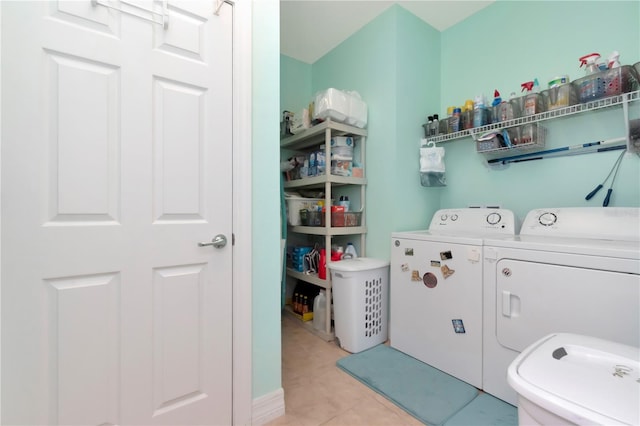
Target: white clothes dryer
[436,289]
[571,270]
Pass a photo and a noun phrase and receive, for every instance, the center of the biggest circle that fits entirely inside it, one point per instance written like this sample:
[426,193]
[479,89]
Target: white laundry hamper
[360,302]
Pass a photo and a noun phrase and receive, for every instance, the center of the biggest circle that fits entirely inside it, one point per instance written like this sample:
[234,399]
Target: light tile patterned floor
[316,392]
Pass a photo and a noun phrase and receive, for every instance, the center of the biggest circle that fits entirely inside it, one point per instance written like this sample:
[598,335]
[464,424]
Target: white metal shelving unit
[622,100]
[304,142]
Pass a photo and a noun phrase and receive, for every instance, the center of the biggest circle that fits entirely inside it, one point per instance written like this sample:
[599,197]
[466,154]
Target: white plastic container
[295,204]
[341,106]
[320,311]
[331,103]
[360,302]
[357,111]
[350,252]
[342,141]
[568,379]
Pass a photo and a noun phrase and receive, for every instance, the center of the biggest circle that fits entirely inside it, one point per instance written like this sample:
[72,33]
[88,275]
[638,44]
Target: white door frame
[242,213]
[241,175]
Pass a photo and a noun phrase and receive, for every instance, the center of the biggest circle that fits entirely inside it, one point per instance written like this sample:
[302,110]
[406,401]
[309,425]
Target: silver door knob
[218,241]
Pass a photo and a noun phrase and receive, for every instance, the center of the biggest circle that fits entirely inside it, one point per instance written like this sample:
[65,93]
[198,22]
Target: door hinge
[233,239]
[219,4]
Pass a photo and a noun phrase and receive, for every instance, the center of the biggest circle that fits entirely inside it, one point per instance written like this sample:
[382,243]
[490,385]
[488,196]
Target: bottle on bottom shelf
[350,252]
[302,300]
[320,311]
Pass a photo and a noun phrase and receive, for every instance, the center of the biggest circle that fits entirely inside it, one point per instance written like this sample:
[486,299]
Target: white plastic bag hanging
[432,168]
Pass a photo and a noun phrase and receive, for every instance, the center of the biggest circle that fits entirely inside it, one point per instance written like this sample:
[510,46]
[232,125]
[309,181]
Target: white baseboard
[268,407]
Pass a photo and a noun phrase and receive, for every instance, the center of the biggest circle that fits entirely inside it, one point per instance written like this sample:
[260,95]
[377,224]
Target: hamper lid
[358,264]
[588,377]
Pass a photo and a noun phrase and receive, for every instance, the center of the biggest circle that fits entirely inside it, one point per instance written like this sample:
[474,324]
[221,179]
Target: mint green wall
[521,41]
[295,84]
[393,64]
[266,353]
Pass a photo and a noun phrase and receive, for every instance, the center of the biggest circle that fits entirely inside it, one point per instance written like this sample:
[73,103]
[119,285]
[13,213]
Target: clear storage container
[295,204]
[561,96]
[606,83]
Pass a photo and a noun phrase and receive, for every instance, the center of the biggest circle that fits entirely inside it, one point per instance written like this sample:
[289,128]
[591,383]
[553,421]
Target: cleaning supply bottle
[435,126]
[533,99]
[450,119]
[455,120]
[350,252]
[614,60]
[479,112]
[508,110]
[497,100]
[322,268]
[466,115]
[590,62]
[320,310]
[336,255]
[344,202]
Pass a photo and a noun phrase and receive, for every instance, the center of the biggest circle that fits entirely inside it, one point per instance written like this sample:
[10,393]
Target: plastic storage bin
[339,219]
[311,218]
[561,96]
[360,302]
[295,204]
[606,83]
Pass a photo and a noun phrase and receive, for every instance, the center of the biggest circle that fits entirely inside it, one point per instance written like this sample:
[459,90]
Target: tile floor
[316,392]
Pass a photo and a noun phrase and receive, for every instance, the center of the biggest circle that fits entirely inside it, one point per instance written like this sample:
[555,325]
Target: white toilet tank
[570,379]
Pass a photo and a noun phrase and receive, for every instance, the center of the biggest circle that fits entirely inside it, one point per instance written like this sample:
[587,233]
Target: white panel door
[116,163]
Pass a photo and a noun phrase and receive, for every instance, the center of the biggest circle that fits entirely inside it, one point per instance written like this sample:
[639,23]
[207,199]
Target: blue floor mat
[485,410]
[426,393]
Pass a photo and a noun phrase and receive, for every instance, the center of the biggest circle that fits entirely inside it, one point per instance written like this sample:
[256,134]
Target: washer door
[536,299]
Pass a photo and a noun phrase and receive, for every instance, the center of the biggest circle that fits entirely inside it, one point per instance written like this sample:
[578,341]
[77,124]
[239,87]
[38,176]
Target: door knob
[218,241]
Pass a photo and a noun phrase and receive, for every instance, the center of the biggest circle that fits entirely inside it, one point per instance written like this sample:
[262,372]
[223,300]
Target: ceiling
[311,28]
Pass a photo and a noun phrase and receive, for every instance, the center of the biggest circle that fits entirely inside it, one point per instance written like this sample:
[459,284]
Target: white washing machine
[571,270]
[436,289]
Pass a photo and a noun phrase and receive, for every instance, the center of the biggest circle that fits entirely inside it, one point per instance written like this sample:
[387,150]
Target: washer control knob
[444,217]
[547,219]
[494,218]
[454,217]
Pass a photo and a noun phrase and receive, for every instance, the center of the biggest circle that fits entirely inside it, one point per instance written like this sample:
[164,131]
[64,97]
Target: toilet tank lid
[580,377]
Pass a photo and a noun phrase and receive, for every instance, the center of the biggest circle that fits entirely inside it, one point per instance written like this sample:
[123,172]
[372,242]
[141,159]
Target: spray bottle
[590,62]
[614,60]
[533,99]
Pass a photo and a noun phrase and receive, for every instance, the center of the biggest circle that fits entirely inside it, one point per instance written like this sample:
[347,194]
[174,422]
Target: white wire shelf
[547,115]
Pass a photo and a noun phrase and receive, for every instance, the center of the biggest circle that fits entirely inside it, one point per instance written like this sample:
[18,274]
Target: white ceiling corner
[311,28]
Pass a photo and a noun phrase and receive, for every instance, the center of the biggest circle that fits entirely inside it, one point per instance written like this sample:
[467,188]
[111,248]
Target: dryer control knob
[547,219]
[494,218]
[444,217]
[454,217]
